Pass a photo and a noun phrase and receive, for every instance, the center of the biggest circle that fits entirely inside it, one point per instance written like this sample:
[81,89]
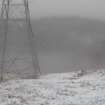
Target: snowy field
[73,88]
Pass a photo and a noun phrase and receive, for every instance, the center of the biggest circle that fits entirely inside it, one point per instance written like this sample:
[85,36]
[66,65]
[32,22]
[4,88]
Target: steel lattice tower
[8,17]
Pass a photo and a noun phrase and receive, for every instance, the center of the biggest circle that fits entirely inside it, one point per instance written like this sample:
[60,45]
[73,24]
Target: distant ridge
[74,22]
[53,31]
[56,32]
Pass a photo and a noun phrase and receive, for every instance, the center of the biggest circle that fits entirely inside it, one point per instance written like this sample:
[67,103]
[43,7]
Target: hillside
[59,33]
[63,33]
[64,44]
[73,88]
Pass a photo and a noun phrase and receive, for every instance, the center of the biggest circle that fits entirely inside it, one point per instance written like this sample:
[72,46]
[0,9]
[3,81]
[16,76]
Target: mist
[70,35]
[84,8]
[52,52]
[70,43]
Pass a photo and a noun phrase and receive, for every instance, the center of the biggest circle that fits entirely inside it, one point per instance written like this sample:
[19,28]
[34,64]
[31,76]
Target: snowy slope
[73,88]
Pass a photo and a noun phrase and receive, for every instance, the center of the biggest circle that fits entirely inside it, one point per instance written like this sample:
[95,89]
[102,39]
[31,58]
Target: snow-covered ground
[74,88]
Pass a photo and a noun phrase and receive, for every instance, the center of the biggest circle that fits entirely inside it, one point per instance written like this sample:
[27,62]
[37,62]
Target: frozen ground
[74,88]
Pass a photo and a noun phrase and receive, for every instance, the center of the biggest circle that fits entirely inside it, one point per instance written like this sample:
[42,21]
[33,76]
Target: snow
[74,88]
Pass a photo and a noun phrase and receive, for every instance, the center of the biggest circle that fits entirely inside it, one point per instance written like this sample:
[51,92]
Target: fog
[70,43]
[73,26]
[70,35]
[84,8]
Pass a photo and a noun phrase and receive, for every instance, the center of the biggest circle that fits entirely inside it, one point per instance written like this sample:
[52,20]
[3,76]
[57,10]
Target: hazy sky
[88,8]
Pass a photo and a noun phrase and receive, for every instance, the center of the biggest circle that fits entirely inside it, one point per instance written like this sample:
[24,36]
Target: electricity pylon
[6,17]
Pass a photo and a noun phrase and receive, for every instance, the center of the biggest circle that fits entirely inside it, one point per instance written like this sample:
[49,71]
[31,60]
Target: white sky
[88,8]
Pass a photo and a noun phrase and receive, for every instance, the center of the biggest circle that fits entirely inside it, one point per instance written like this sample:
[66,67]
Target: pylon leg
[5,16]
[33,45]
